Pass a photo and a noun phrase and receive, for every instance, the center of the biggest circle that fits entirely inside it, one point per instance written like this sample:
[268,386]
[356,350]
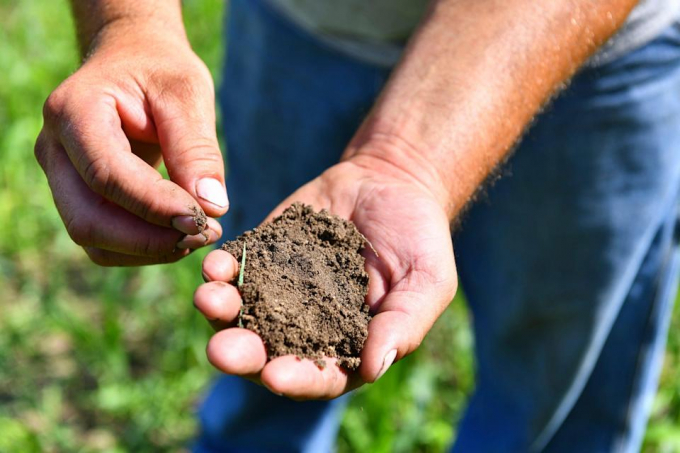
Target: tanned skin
[141,95]
[473,76]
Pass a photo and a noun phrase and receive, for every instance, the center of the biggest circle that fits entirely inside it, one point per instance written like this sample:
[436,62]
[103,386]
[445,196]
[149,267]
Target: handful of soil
[304,286]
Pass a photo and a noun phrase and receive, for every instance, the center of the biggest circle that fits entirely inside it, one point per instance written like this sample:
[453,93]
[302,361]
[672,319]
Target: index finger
[91,132]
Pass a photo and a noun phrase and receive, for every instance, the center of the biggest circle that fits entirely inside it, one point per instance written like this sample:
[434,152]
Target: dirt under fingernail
[304,286]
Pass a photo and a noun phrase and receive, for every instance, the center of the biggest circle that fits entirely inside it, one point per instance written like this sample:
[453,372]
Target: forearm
[471,79]
[92,17]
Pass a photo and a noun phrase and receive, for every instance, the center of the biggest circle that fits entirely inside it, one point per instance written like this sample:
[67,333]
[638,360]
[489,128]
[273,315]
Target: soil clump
[201,220]
[304,286]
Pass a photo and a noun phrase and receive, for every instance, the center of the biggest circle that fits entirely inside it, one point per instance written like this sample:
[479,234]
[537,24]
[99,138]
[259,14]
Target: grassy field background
[95,359]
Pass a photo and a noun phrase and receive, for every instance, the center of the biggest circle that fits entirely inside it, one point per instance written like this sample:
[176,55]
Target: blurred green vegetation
[95,359]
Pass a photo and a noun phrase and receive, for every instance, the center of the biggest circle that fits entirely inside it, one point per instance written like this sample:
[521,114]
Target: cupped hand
[141,97]
[412,280]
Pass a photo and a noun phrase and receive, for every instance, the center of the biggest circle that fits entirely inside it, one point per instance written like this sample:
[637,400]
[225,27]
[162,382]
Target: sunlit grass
[95,359]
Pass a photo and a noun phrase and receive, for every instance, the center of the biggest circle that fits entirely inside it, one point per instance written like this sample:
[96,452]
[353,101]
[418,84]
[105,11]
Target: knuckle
[202,151]
[97,175]
[148,246]
[142,210]
[40,150]
[54,106]
[202,69]
[179,88]
[204,72]
[144,205]
[79,230]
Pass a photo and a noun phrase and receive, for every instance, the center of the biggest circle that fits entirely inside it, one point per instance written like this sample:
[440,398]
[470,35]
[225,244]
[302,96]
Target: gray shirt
[375,31]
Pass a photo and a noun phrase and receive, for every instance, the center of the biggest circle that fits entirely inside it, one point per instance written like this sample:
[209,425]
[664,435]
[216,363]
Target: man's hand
[142,96]
[411,281]
[470,80]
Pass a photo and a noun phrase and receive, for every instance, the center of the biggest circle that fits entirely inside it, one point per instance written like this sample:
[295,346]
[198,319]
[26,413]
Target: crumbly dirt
[201,219]
[304,286]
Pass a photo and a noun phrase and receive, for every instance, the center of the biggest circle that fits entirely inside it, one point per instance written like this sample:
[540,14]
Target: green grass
[95,359]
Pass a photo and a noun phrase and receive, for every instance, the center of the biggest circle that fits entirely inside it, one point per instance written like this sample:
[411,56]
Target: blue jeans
[569,263]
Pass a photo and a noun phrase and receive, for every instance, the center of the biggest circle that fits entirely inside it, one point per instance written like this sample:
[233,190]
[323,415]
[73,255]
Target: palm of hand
[412,279]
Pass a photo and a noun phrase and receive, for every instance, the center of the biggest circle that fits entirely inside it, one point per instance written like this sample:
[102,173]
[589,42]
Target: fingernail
[193,241]
[212,191]
[185,223]
[387,363]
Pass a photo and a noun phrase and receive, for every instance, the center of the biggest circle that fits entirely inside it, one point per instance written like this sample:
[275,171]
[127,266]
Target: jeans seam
[639,369]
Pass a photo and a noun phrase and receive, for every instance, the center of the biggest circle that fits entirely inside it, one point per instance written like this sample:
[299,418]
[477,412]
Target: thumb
[185,123]
[403,320]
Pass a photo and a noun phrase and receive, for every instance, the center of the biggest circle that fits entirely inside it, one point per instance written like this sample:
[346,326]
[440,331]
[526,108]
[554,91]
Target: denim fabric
[569,262]
[570,266]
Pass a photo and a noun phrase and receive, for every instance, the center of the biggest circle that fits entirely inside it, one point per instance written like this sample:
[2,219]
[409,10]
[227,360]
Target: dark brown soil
[304,286]
[201,220]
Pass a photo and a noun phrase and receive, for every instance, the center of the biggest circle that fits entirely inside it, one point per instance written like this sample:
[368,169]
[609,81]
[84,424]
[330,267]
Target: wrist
[125,31]
[395,156]
[146,34]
